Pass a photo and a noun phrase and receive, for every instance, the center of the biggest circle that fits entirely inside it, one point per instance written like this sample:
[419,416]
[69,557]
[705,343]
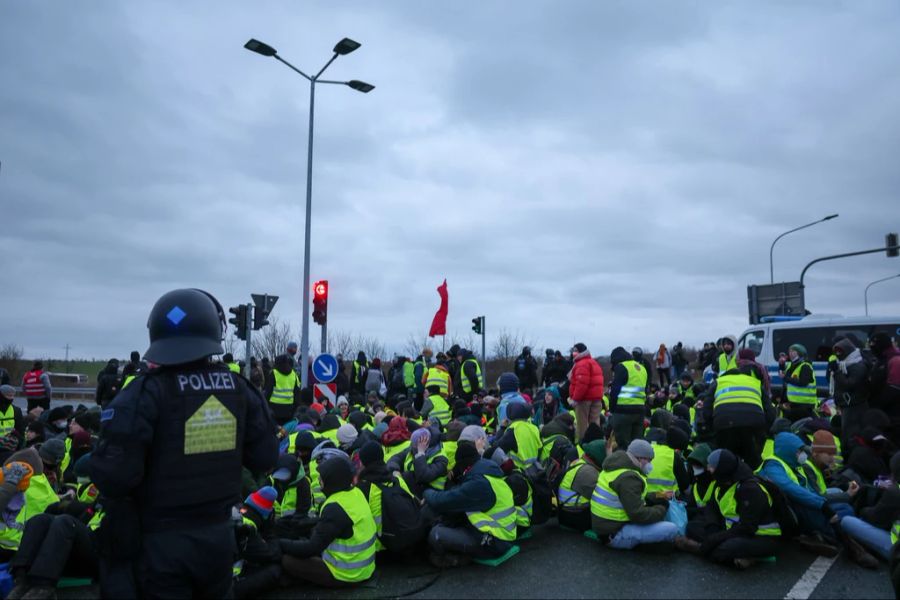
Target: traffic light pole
[247,351]
[483,354]
[324,337]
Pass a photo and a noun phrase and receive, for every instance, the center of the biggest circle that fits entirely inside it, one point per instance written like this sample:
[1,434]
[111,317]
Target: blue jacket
[786,446]
[474,492]
[505,400]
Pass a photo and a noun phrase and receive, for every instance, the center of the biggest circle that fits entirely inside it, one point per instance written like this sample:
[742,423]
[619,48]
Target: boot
[41,592]
[817,545]
[686,544]
[20,588]
[858,554]
[743,564]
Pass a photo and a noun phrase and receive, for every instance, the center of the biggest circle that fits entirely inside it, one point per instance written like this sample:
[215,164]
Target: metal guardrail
[66,393]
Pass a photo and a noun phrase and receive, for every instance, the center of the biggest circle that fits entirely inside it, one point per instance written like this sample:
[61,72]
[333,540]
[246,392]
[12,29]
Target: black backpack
[539,477]
[402,524]
[784,514]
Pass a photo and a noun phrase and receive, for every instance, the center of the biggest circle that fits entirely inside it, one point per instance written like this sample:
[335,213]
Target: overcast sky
[605,172]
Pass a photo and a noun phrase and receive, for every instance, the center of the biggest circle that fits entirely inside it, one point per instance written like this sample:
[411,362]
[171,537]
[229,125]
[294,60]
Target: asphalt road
[561,564]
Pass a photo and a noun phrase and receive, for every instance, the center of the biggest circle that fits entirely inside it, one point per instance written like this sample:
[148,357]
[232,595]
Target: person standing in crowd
[727,358]
[36,385]
[283,389]
[471,379]
[679,360]
[586,389]
[107,382]
[799,393]
[526,370]
[375,379]
[664,366]
[556,369]
[359,372]
[738,411]
[637,353]
[627,396]
[134,367]
[170,457]
[885,382]
[849,374]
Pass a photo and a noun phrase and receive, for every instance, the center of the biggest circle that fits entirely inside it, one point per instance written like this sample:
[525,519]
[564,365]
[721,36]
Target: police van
[772,338]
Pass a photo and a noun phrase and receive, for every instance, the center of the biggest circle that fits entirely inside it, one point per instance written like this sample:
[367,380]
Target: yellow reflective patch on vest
[211,429]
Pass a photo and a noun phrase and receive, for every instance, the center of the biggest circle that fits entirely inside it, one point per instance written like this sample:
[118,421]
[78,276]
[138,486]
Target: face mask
[802,457]
[60,424]
[646,469]
[698,471]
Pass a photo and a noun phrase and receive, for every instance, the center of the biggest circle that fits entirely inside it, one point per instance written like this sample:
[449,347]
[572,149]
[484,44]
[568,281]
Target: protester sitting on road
[878,526]
[423,463]
[577,486]
[482,495]
[620,516]
[521,440]
[548,404]
[703,485]
[258,566]
[509,393]
[24,493]
[341,548]
[819,515]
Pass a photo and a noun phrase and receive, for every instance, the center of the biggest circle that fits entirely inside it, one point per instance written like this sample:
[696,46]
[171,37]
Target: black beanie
[726,467]
[466,455]
[676,438]
[336,475]
[371,454]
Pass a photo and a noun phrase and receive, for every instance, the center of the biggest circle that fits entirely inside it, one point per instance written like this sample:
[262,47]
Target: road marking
[808,582]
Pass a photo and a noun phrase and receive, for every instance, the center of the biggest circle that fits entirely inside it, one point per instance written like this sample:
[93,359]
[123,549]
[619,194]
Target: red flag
[439,323]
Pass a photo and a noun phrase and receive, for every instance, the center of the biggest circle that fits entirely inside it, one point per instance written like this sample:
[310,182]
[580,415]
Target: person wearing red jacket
[585,389]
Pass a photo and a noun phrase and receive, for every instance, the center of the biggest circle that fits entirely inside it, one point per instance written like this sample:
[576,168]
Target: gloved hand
[17,473]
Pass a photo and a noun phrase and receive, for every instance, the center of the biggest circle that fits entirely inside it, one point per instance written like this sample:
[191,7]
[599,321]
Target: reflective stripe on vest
[466,385]
[283,392]
[500,520]
[566,496]
[440,409]
[738,389]
[528,442]
[409,465]
[32,384]
[634,392]
[662,477]
[524,512]
[352,559]
[605,502]
[8,420]
[439,378]
[728,509]
[799,394]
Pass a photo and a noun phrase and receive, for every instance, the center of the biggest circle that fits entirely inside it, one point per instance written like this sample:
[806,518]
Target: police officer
[171,449]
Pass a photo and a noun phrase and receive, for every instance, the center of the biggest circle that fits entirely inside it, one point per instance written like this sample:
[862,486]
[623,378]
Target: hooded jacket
[587,379]
[473,493]
[753,507]
[730,356]
[107,382]
[620,378]
[786,447]
[851,379]
[630,489]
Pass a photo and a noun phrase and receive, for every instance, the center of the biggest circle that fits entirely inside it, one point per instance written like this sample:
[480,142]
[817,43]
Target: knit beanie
[596,451]
[52,451]
[677,439]
[641,449]
[379,417]
[371,453]
[799,349]
[508,382]
[466,456]
[700,454]
[262,500]
[454,430]
[712,460]
[379,430]
[518,411]
[471,433]
[346,434]
[823,441]
[319,408]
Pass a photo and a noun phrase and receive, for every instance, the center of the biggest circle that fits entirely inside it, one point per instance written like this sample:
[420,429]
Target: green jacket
[630,489]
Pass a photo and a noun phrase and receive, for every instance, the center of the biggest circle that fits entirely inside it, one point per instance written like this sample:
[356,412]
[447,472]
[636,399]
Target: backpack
[402,524]
[397,380]
[784,514]
[542,493]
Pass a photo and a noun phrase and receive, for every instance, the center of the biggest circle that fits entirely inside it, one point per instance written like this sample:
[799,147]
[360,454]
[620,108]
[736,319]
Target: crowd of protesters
[422,454]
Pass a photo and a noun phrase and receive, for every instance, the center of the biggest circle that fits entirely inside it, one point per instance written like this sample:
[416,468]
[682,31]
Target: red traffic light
[320,289]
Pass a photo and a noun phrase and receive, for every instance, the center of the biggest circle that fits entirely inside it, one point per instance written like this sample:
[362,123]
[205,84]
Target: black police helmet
[185,325]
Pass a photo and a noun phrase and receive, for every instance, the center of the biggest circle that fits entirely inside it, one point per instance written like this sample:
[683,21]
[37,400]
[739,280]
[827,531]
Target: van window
[752,340]
[820,340]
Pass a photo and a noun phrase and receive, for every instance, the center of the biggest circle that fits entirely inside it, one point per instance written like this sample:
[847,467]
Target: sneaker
[818,545]
[686,544]
[744,563]
[41,592]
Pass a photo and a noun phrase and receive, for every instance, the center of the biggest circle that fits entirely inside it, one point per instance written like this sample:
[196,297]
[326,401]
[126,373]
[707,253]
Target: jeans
[873,538]
[466,540]
[632,535]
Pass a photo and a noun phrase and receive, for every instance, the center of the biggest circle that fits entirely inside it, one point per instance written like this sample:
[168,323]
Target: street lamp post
[866,295]
[772,247]
[345,46]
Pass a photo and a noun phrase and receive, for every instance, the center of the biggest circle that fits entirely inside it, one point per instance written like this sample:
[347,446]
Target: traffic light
[889,241]
[263,305]
[239,320]
[320,302]
[476,325]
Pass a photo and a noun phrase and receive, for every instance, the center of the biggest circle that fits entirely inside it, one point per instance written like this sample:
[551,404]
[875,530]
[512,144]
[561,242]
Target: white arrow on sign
[326,370]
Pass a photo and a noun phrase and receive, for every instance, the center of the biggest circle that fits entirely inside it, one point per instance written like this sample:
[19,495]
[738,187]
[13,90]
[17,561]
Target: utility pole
[248,350]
